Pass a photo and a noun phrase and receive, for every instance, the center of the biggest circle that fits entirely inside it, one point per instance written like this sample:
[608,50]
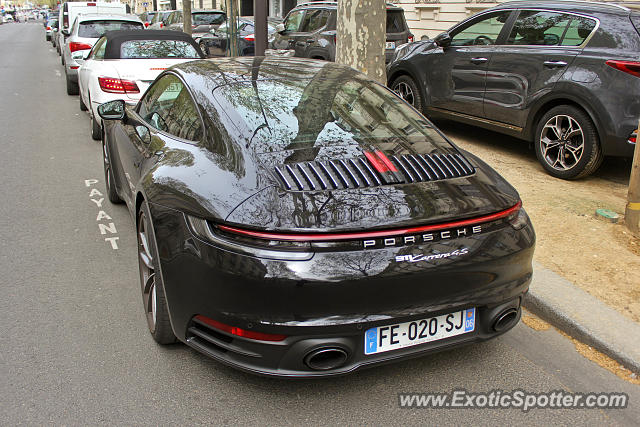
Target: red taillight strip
[261,336]
[629,67]
[306,237]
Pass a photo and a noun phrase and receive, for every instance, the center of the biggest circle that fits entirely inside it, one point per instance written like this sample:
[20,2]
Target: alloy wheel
[562,142]
[147,271]
[405,92]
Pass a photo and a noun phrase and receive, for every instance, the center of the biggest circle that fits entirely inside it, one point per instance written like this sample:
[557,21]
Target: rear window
[96,29]
[208,18]
[395,21]
[139,49]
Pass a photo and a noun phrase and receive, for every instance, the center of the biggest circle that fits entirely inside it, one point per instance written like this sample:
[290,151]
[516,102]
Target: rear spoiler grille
[359,173]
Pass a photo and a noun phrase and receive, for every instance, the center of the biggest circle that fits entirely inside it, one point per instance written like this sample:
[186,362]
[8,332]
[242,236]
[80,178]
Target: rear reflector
[74,46]
[629,67]
[307,237]
[74,67]
[252,335]
[112,85]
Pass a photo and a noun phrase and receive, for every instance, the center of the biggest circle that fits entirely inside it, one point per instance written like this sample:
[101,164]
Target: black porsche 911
[296,218]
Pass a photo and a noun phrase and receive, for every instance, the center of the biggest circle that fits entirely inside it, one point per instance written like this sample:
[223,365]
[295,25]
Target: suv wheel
[407,89]
[566,143]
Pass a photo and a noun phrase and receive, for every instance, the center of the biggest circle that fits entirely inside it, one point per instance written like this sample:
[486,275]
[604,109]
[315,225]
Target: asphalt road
[75,349]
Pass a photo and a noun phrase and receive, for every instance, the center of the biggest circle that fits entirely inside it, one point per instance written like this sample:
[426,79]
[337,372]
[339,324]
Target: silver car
[85,32]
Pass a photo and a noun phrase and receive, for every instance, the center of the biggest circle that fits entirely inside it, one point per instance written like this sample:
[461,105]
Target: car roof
[107,17]
[567,5]
[116,38]
[334,4]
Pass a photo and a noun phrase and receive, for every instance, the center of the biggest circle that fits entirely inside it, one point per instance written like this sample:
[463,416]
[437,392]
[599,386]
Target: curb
[584,317]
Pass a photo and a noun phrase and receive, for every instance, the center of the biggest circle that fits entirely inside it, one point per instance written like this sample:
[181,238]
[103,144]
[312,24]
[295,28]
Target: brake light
[48,28]
[410,39]
[73,46]
[91,4]
[112,85]
[250,37]
[161,25]
[146,25]
[380,161]
[629,67]
[239,332]
[319,237]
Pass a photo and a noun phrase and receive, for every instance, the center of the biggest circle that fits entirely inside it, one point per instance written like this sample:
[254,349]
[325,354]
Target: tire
[72,87]
[109,182]
[82,106]
[95,128]
[567,144]
[153,297]
[408,90]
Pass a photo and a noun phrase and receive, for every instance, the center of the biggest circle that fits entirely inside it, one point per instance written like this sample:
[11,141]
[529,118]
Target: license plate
[391,45]
[401,335]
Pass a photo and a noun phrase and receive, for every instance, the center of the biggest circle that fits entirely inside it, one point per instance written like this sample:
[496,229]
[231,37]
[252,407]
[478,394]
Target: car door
[286,39]
[456,75]
[539,49]
[164,117]
[308,37]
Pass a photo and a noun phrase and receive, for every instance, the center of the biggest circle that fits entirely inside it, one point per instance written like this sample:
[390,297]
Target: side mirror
[112,110]
[443,40]
[66,32]
[143,134]
[280,28]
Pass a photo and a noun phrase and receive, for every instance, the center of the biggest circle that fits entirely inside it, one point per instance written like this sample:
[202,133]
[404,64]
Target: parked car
[48,28]
[562,74]
[202,21]
[159,20]
[309,31]
[124,63]
[296,218]
[214,43]
[146,18]
[85,32]
[71,9]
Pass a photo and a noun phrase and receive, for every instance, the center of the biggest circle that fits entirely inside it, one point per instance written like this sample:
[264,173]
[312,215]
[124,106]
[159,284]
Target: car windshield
[324,113]
[212,18]
[139,49]
[96,29]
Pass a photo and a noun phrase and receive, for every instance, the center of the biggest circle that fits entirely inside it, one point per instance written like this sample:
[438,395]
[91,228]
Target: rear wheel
[153,299]
[567,144]
[407,89]
[72,87]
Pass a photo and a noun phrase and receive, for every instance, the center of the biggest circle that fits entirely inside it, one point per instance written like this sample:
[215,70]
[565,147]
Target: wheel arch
[399,72]
[544,105]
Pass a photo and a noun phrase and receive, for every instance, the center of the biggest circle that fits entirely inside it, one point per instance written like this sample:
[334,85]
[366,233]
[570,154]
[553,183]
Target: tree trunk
[233,7]
[361,36]
[632,211]
[186,15]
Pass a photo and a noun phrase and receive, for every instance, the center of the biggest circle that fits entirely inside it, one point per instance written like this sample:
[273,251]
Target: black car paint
[333,297]
[516,90]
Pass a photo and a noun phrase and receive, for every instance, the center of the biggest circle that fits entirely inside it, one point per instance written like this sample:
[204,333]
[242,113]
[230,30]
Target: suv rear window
[96,29]
[207,18]
[395,21]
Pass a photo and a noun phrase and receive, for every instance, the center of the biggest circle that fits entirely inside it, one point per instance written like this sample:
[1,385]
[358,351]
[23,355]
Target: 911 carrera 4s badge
[422,257]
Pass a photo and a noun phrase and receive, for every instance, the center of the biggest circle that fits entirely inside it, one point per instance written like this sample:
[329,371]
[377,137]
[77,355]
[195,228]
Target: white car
[122,65]
[85,32]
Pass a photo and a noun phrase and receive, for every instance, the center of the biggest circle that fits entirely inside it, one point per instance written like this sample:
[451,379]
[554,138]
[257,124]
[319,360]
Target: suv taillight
[250,37]
[113,85]
[410,39]
[73,46]
[629,67]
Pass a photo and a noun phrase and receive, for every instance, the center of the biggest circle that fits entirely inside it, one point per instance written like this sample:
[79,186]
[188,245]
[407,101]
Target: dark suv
[563,74]
[309,31]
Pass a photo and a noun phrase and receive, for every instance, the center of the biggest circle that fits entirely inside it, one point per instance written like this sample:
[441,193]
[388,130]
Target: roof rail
[599,3]
[333,3]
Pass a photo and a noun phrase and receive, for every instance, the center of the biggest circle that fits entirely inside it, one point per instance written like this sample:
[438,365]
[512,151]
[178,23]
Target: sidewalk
[584,317]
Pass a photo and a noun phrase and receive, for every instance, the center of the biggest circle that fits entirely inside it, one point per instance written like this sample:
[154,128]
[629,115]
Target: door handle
[554,64]
[479,60]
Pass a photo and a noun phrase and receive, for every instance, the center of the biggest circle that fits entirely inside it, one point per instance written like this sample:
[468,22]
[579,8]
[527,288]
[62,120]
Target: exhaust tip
[324,359]
[505,320]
